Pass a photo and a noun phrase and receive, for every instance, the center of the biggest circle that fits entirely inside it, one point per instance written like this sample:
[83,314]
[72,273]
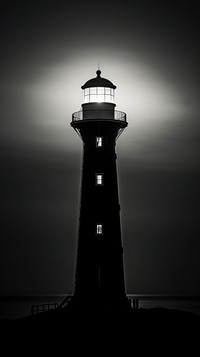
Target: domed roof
[98,81]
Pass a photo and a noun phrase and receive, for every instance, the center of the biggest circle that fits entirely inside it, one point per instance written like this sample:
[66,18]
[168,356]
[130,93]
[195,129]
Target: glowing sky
[151,53]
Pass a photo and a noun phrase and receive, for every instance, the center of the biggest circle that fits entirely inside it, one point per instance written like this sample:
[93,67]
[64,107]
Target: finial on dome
[98,72]
[98,81]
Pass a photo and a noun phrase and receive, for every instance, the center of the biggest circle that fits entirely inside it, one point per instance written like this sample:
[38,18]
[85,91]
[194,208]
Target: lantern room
[98,90]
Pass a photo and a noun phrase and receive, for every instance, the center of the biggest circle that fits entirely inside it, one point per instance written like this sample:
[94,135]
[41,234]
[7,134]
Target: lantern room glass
[98,94]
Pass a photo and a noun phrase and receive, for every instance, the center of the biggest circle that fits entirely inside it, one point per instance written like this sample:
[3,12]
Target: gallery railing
[107,115]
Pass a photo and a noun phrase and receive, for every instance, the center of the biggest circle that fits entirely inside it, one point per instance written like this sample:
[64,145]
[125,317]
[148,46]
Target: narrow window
[99,141]
[99,179]
[99,229]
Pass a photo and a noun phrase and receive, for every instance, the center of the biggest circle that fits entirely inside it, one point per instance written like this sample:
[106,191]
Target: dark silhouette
[99,277]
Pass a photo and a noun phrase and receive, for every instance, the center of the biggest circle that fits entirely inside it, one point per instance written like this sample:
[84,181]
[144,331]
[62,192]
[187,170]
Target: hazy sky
[150,51]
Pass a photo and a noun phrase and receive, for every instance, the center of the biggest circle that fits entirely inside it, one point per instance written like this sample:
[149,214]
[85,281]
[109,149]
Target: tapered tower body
[99,263]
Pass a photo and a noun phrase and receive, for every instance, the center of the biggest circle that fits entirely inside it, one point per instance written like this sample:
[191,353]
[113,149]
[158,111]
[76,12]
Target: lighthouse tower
[99,275]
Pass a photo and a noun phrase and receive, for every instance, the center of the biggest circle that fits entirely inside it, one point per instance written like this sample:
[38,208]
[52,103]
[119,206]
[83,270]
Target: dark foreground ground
[158,330]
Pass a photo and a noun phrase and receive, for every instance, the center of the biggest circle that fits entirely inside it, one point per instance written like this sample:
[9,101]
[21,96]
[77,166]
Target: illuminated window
[100,90]
[93,90]
[99,142]
[99,229]
[99,94]
[99,179]
[107,98]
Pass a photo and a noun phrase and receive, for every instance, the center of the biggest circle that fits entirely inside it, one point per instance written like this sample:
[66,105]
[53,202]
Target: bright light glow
[98,94]
[154,105]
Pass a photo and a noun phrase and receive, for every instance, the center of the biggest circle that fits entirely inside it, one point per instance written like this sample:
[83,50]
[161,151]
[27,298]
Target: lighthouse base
[91,304]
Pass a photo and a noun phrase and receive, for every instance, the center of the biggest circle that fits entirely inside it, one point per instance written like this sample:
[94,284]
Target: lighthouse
[99,275]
